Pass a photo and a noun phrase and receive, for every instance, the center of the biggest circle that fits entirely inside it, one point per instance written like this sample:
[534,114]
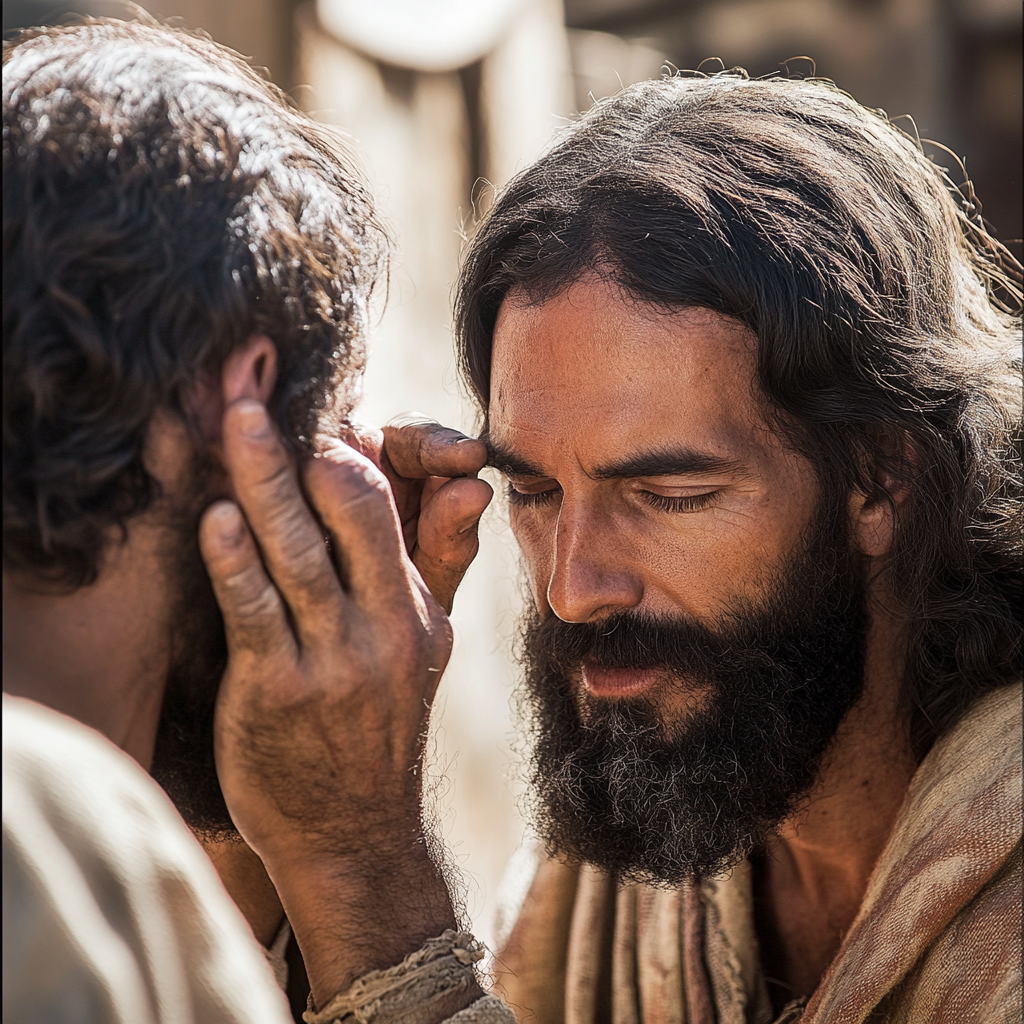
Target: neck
[817,871]
[98,653]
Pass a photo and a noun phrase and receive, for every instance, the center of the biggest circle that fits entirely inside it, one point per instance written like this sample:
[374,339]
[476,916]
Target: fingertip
[223,526]
[455,510]
[226,516]
[477,498]
[470,453]
[417,447]
[251,418]
[485,490]
[480,489]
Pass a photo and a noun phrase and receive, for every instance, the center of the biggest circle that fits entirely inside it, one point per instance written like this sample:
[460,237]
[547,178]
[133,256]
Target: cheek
[703,564]
[690,566]
[535,537]
[704,569]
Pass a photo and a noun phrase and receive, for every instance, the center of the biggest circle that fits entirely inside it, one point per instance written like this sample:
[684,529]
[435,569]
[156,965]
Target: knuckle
[290,524]
[367,480]
[410,647]
[250,594]
[356,480]
[420,643]
[443,637]
[279,487]
[406,634]
[307,560]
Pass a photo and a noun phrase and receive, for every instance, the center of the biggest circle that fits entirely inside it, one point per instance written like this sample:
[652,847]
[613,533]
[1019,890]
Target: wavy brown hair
[886,318]
[161,202]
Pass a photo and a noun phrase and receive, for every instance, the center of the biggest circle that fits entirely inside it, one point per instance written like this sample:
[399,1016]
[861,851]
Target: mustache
[637,640]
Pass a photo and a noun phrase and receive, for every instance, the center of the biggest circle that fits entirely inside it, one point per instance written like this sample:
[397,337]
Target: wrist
[357,912]
[435,982]
[350,863]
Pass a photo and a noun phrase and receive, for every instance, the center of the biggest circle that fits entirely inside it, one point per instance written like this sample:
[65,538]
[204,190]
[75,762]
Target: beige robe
[937,939]
[112,912]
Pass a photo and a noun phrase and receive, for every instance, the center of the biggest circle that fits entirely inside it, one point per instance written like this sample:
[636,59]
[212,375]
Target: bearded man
[737,354]
[748,363]
[187,267]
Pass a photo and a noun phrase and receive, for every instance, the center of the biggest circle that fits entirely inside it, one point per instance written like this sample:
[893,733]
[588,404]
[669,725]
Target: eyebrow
[507,461]
[675,461]
[679,461]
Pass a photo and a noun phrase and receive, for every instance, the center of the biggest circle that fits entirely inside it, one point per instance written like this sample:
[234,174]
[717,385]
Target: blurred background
[445,99]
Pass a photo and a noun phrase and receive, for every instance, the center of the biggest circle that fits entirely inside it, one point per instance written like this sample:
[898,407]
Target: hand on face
[334,653]
[432,471]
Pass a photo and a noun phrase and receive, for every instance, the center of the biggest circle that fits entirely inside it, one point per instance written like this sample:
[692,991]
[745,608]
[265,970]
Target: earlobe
[250,371]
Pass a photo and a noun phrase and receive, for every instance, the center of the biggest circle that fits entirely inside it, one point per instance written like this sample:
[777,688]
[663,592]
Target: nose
[590,575]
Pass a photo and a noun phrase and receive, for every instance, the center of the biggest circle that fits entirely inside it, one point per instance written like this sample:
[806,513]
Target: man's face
[699,621]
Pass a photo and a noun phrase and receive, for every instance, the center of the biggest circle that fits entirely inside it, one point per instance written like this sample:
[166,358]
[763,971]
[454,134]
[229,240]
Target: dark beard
[615,786]
[183,761]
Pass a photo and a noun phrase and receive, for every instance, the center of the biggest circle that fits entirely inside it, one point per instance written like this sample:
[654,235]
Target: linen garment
[937,939]
[112,911]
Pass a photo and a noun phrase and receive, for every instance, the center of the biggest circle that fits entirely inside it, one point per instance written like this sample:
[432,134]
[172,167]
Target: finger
[254,616]
[405,491]
[353,500]
[448,540]
[367,440]
[418,447]
[290,539]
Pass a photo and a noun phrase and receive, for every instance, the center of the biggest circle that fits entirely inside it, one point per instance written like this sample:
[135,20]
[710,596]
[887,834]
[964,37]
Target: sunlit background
[446,99]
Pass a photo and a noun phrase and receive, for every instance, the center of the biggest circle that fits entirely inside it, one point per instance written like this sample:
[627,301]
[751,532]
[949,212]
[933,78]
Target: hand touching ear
[431,469]
[250,371]
[334,655]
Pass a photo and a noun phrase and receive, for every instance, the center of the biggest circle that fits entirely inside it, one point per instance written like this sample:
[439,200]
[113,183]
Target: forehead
[593,366]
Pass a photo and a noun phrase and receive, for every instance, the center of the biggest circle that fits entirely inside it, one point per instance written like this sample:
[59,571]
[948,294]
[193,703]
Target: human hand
[334,657]
[432,471]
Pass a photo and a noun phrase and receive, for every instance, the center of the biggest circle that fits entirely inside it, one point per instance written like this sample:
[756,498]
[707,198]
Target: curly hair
[886,319]
[162,202]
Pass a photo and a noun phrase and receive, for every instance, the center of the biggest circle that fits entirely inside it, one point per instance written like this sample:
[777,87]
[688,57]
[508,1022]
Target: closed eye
[531,499]
[680,503]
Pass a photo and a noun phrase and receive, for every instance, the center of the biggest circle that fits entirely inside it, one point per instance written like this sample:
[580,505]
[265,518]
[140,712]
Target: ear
[250,371]
[873,516]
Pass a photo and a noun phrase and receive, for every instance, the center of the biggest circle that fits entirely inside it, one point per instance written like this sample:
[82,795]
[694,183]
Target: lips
[609,682]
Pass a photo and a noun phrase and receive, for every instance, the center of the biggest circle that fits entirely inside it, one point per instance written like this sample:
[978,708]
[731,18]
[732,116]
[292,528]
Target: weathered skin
[589,379]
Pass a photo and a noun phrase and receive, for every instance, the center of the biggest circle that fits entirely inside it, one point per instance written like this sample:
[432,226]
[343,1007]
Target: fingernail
[254,420]
[228,520]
